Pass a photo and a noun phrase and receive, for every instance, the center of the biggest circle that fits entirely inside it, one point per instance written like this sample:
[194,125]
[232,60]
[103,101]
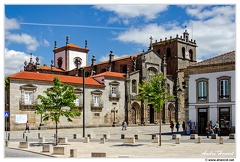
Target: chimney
[86,44]
[66,40]
[93,60]
[111,56]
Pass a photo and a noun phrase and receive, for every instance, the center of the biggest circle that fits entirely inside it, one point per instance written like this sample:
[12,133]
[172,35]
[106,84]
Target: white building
[210,92]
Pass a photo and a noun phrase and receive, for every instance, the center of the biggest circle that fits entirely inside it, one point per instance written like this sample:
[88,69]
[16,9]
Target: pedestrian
[27,127]
[218,130]
[177,126]
[210,128]
[171,126]
[183,126]
[124,125]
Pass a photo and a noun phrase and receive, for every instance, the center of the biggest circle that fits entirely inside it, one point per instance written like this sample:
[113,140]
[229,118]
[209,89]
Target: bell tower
[180,52]
[66,57]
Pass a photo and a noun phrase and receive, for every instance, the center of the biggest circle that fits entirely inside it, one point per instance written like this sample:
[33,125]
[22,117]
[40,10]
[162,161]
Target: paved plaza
[115,146]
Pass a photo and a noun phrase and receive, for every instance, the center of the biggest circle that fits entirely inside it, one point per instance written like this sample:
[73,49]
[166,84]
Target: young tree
[153,91]
[52,106]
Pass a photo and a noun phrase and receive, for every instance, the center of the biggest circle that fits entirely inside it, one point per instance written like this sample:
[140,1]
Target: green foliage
[6,81]
[59,97]
[153,91]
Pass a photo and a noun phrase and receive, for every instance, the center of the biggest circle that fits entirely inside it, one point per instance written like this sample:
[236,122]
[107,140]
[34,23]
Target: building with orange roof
[112,85]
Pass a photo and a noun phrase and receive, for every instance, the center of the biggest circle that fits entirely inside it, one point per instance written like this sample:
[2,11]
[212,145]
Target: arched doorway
[135,114]
[151,113]
[171,112]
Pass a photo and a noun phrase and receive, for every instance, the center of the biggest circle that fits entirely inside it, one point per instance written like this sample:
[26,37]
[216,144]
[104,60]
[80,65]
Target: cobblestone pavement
[115,147]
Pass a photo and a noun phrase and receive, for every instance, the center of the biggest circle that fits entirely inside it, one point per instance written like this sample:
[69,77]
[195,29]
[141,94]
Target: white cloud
[128,11]
[11,24]
[214,35]
[14,61]
[106,57]
[46,43]
[22,38]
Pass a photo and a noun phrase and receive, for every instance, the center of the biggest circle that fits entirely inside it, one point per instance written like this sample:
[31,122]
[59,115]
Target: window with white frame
[28,97]
[114,91]
[224,92]
[202,89]
[224,88]
[96,100]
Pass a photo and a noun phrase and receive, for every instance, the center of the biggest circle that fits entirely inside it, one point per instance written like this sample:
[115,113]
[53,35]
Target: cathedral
[111,86]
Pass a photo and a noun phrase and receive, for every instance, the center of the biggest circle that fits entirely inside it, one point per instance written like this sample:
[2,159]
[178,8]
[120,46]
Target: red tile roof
[226,58]
[49,68]
[110,74]
[49,77]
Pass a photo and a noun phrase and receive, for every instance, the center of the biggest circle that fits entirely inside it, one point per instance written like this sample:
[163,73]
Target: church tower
[70,56]
[180,52]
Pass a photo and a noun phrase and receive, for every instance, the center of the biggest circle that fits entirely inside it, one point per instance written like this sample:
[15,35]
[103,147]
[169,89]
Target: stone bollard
[59,150]
[47,148]
[220,140]
[102,140]
[6,143]
[98,154]
[231,136]
[193,136]
[62,140]
[86,140]
[41,140]
[73,152]
[153,136]
[23,144]
[75,136]
[136,136]
[174,136]
[122,136]
[156,140]
[177,140]
[199,140]
[106,136]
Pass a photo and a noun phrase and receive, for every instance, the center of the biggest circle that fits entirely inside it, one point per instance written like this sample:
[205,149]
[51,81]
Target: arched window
[134,86]
[191,55]
[183,53]
[59,62]
[168,52]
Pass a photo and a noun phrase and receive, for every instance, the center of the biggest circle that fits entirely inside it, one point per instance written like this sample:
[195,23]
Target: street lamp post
[83,109]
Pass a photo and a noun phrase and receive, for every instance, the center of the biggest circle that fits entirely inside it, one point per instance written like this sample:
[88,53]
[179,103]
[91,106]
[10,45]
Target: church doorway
[151,114]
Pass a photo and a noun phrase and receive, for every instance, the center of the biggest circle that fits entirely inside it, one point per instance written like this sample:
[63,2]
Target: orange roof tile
[72,45]
[49,68]
[110,74]
[49,77]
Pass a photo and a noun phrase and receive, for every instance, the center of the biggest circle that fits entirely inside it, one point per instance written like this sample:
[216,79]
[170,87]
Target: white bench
[59,150]
[23,144]
[47,148]
[174,136]
[129,140]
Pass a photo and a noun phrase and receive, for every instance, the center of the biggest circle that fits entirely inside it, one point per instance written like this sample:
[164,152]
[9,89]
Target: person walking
[218,130]
[177,126]
[183,127]
[210,129]
[171,126]
[124,125]
[27,127]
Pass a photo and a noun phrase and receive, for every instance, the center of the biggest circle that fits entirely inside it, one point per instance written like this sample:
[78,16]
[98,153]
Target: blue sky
[124,29]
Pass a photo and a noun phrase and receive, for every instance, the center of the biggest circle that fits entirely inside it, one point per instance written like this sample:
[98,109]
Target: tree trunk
[56,133]
[160,128]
